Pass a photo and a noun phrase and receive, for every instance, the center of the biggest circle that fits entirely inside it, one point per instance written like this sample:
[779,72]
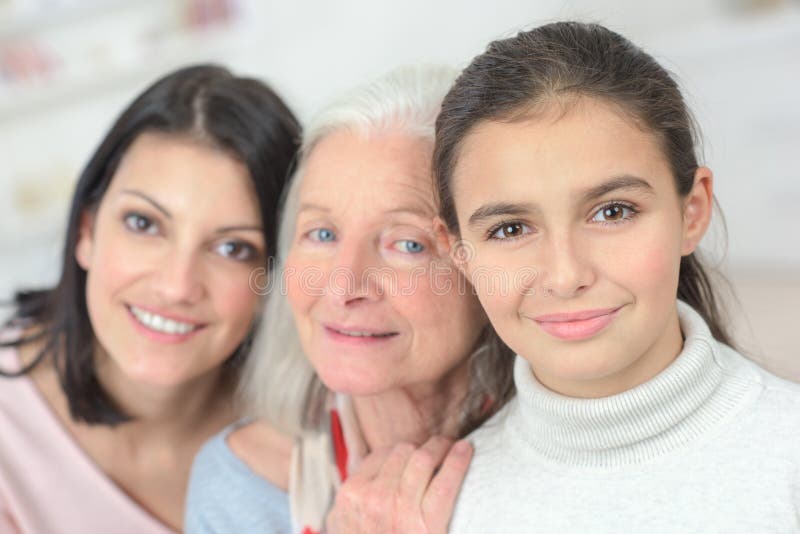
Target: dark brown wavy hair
[241,116]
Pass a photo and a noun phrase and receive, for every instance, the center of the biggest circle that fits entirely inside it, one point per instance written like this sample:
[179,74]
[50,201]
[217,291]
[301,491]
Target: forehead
[186,175]
[349,170]
[572,147]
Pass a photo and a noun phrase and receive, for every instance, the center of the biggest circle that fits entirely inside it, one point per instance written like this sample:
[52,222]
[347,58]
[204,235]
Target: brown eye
[508,231]
[612,213]
[236,250]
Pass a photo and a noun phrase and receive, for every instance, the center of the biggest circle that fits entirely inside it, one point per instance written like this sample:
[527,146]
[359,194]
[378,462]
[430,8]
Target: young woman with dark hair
[117,375]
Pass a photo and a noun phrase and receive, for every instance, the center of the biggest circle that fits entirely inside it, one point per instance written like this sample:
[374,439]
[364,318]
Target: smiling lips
[357,335]
[161,328]
[578,325]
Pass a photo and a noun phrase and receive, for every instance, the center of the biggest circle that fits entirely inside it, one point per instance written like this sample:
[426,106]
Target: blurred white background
[67,67]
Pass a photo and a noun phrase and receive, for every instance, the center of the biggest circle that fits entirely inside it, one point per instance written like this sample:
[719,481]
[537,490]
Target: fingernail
[462,447]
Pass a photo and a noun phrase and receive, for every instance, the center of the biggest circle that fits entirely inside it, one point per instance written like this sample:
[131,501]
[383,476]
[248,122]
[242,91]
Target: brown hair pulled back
[559,62]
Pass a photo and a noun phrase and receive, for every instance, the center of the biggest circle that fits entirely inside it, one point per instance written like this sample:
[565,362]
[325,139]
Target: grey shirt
[226,496]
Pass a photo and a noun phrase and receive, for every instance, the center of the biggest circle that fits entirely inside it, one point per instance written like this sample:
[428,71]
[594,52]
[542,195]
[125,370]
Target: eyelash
[421,245]
[250,252]
[130,220]
[490,234]
[315,232]
[616,204]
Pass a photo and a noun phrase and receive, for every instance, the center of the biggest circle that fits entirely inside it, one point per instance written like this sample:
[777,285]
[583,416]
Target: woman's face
[168,254]
[376,305]
[580,213]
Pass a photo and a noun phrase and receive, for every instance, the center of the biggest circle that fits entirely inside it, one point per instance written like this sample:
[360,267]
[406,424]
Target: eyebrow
[625,181]
[239,228]
[311,206]
[409,210]
[147,198]
[394,211]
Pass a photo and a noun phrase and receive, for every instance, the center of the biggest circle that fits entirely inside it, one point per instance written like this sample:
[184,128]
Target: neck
[413,414]
[166,411]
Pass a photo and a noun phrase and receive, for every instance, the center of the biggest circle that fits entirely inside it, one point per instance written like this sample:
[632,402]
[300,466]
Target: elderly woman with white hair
[371,341]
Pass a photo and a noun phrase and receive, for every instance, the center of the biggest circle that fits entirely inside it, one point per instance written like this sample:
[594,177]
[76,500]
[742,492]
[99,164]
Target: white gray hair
[278,382]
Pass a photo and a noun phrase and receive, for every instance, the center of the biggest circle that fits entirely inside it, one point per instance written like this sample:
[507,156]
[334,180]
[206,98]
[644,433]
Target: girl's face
[168,254]
[376,305]
[579,213]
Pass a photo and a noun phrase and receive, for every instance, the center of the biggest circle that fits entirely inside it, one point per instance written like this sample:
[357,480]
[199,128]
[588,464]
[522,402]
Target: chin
[354,384]
[573,367]
[159,376]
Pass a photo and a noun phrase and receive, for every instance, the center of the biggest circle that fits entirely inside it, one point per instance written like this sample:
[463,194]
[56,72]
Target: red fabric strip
[339,446]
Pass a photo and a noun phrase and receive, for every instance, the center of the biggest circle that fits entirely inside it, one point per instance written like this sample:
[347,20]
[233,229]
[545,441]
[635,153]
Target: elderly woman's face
[377,304]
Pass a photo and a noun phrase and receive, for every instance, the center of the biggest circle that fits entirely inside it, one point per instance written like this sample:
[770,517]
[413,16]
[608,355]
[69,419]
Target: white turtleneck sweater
[709,445]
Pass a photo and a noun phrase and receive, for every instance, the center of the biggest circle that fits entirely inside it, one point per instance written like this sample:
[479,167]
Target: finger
[420,470]
[378,496]
[392,469]
[371,465]
[417,477]
[440,498]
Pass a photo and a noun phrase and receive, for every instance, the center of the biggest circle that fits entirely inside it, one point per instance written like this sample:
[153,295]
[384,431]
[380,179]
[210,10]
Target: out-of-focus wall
[69,66]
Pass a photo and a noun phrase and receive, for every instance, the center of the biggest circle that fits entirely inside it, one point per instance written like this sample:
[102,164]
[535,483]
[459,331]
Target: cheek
[235,299]
[113,267]
[444,315]
[303,283]
[648,266]
[501,279]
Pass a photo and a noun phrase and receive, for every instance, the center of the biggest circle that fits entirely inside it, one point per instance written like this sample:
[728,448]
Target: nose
[566,269]
[179,279]
[357,276]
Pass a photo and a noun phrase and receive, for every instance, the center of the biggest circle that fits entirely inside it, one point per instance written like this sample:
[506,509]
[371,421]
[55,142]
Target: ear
[697,208]
[448,244]
[441,237]
[85,243]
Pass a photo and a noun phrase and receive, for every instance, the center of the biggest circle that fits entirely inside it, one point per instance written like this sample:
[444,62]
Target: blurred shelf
[208,45]
[35,20]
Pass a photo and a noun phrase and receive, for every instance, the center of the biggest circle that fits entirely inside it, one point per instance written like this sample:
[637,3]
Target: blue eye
[613,213]
[409,246]
[236,250]
[323,235]
[509,230]
[140,224]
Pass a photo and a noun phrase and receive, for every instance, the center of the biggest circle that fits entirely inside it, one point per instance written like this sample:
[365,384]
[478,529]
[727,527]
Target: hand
[399,490]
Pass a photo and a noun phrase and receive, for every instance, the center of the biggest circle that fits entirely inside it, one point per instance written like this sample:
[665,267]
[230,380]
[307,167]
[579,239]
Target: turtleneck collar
[689,397]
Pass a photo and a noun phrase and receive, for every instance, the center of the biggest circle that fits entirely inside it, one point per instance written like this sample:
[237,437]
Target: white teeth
[361,334]
[161,324]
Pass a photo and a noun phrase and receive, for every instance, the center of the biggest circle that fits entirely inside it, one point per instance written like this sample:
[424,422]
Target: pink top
[48,484]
